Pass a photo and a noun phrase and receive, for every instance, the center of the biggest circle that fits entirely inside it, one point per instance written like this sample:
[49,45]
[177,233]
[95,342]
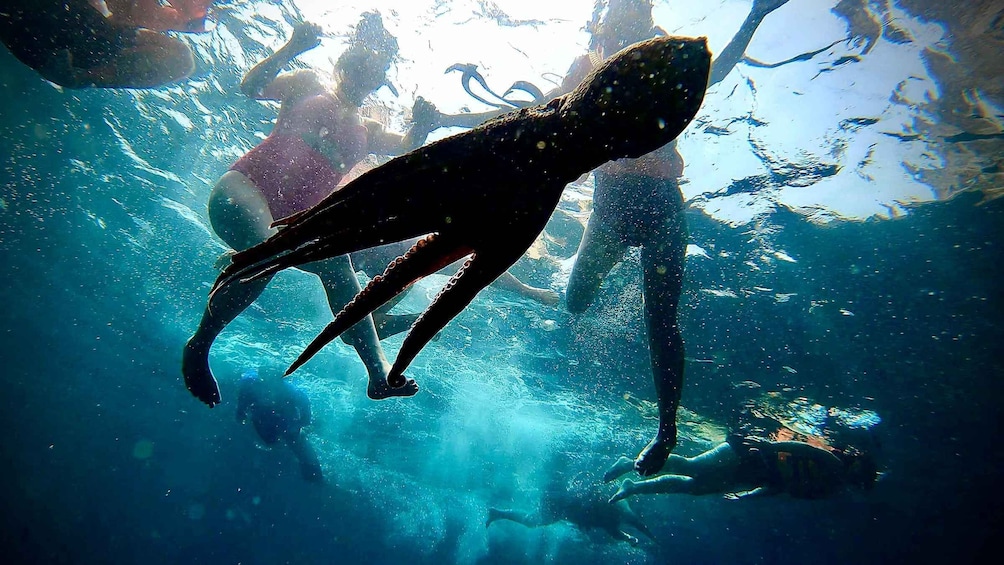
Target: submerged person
[318,137]
[743,467]
[278,411]
[103,43]
[636,203]
[584,508]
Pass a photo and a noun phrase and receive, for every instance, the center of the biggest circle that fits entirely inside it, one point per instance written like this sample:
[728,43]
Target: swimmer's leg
[225,305]
[154,59]
[526,518]
[341,286]
[599,251]
[663,484]
[240,216]
[662,264]
[310,465]
[388,325]
[621,466]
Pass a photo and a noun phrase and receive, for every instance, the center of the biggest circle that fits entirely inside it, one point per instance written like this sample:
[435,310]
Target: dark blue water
[108,459]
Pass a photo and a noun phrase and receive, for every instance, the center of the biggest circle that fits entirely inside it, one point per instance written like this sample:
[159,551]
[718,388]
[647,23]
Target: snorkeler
[279,411]
[103,43]
[582,507]
[743,467]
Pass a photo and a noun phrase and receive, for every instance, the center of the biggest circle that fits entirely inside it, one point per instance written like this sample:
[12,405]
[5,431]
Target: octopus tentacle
[427,256]
[478,272]
[496,182]
[303,247]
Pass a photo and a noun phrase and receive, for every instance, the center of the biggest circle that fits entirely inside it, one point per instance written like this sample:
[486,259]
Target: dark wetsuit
[37,30]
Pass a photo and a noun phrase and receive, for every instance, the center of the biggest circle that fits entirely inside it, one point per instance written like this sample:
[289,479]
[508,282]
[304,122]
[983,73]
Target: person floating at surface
[318,137]
[103,44]
[582,507]
[156,15]
[636,203]
[278,411]
[742,467]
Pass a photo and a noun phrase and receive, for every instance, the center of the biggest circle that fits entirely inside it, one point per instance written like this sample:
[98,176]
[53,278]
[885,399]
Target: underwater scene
[581,281]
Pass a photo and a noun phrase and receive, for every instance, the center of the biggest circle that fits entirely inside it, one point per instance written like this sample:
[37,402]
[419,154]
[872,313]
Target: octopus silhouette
[488,192]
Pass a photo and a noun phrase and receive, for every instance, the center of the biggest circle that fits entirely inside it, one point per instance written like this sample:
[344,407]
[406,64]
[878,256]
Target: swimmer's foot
[199,378]
[379,389]
[626,489]
[653,457]
[224,260]
[621,466]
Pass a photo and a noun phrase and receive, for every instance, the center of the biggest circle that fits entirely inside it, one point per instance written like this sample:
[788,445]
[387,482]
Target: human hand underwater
[305,37]
[488,192]
[425,118]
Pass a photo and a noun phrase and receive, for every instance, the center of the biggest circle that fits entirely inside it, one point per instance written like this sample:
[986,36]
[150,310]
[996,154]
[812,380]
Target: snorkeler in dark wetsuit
[278,411]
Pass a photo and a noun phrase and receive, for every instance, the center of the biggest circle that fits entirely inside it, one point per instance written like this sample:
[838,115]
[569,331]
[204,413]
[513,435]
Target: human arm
[262,82]
[381,141]
[509,282]
[426,118]
[733,52]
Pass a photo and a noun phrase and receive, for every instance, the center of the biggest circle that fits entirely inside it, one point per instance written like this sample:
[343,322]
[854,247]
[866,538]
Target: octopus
[485,194]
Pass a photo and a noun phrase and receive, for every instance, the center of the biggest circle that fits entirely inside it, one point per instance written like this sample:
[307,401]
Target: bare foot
[379,390]
[199,378]
[626,490]
[621,466]
[653,457]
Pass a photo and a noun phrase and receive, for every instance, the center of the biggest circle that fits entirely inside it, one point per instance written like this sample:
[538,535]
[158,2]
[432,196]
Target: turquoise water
[108,459]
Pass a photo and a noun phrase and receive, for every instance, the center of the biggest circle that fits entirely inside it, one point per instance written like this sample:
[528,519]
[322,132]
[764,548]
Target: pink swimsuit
[292,175]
